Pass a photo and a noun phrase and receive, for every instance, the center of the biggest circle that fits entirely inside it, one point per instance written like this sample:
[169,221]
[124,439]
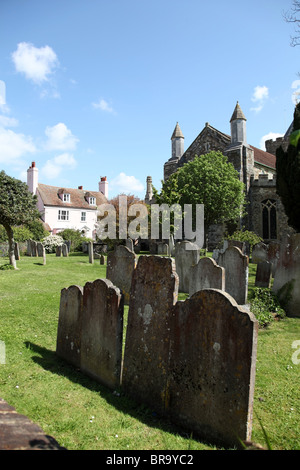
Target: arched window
[269,222]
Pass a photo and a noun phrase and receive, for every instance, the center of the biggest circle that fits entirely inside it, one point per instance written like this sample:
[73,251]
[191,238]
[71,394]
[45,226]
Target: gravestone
[212,367]
[259,252]
[236,273]
[206,274]
[91,252]
[58,250]
[263,274]
[273,255]
[64,250]
[68,343]
[102,332]
[33,248]
[120,266]
[186,256]
[102,259]
[40,247]
[287,275]
[163,249]
[153,293]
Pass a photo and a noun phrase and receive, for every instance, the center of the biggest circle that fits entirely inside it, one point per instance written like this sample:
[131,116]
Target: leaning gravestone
[186,256]
[206,274]
[102,332]
[259,252]
[153,293]
[212,367]
[68,344]
[236,273]
[263,274]
[287,275]
[120,266]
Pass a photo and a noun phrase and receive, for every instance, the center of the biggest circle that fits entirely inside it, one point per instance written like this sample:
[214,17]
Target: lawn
[80,413]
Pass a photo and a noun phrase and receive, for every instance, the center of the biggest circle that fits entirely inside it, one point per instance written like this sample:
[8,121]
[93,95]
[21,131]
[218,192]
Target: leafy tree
[210,180]
[288,174]
[17,207]
[37,229]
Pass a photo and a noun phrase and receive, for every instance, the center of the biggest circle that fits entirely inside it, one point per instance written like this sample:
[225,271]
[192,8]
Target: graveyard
[84,407]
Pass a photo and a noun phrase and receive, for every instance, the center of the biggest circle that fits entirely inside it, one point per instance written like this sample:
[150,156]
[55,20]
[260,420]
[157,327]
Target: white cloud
[60,138]
[103,105]
[270,135]
[14,146]
[37,64]
[126,184]
[260,95]
[55,166]
[6,121]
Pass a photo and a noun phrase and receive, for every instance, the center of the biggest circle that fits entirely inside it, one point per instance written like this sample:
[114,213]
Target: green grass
[82,414]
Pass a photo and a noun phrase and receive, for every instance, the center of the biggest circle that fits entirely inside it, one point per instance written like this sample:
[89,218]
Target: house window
[269,219]
[63,215]
[92,201]
[83,217]
[66,197]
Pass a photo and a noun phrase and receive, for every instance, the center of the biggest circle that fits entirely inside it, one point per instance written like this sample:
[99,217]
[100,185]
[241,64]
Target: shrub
[75,238]
[51,242]
[245,236]
[265,306]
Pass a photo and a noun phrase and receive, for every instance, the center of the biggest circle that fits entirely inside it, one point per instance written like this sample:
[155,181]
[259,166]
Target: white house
[62,208]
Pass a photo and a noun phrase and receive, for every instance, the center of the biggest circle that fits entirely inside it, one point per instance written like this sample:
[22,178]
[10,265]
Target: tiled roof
[78,197]
[264,158]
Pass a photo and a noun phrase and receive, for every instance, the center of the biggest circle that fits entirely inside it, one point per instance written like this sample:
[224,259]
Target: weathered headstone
[120,266]
[263,274]
[236,273]
[102,332]
[102,259]
[28,252]
[34,251]
[206,274]
[40,247]
[186,256]
[153,294]
[58,250]
[273,255]
[287,275]
[163,249]
[259,252]
[212,367]
[68,344]
[64,250]
[91,252]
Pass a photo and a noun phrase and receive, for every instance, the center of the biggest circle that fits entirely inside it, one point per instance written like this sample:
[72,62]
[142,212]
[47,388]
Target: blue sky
[92,88]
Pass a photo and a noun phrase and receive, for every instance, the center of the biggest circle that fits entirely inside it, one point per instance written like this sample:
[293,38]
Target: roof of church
[78,197]
[264,158]
[177,132]
[237,113]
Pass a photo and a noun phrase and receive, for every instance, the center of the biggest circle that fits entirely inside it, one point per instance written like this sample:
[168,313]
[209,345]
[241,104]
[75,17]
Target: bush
[265,305]
[51,242]
[75,238]
[245,236]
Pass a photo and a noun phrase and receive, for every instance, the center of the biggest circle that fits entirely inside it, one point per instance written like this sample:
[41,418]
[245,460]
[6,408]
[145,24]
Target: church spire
[238,126]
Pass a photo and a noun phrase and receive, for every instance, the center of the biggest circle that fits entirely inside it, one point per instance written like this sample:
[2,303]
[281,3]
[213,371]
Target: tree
[288,174]
[210,180]
[17,207]
[293,16]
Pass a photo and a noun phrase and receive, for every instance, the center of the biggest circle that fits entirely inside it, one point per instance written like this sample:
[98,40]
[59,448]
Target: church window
[269,222]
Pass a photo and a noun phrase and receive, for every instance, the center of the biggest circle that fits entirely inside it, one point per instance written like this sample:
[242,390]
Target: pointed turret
[238,126]
[177,142]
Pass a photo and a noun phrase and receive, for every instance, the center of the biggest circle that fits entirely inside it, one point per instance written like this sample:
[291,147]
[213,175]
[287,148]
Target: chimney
[103,186]
[32,178]
[80,187]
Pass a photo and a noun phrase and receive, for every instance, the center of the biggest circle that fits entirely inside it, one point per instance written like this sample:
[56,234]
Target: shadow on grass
[49,360]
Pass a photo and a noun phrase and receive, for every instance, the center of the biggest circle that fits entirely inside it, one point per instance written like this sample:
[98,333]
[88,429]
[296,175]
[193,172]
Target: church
[256,169]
